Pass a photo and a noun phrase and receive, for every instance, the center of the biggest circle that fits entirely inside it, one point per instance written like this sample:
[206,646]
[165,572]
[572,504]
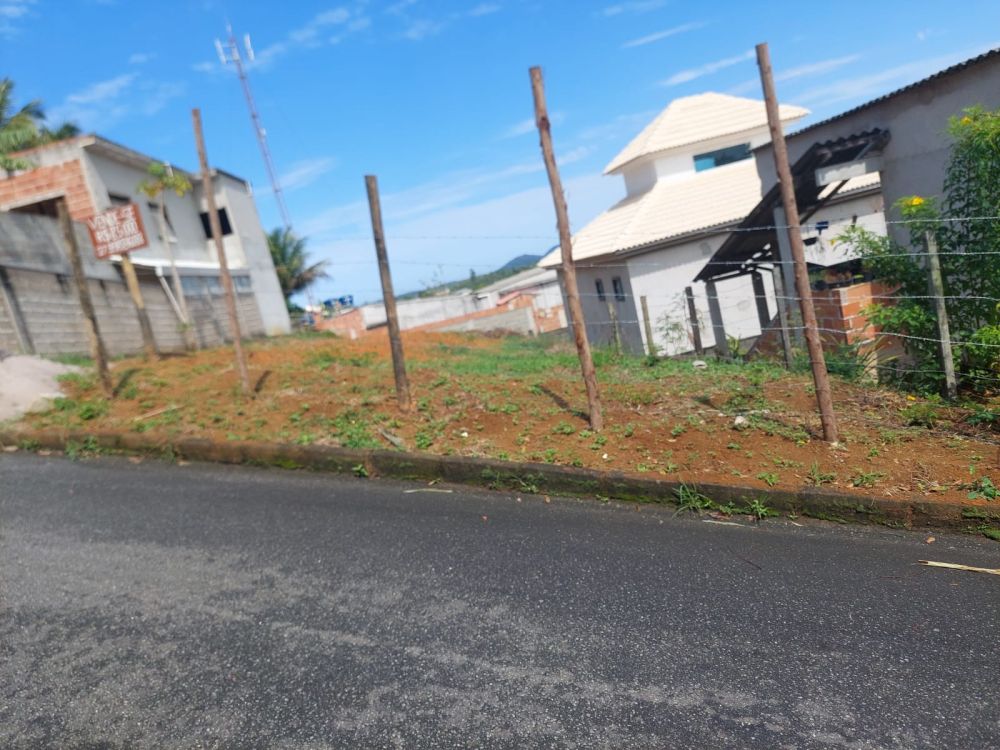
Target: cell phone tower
[229,52]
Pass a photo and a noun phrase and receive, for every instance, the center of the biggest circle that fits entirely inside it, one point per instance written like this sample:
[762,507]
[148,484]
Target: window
[616,284]
[600,290]
[119,200]
[154,208]
[723,156]
[223,220]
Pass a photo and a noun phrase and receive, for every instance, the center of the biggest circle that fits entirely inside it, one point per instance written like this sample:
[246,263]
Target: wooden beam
[718,327]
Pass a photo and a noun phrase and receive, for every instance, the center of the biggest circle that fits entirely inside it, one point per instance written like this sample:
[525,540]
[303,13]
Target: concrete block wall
[55,325]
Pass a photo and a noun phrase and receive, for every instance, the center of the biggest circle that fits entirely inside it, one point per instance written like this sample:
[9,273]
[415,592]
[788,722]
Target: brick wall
[47,182]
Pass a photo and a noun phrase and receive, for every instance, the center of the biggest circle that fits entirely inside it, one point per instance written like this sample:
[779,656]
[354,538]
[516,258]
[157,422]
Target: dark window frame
[720,157]
[599,285]
[618,287]
[227,228]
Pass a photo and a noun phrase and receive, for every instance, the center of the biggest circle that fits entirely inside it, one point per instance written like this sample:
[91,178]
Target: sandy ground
[26,381]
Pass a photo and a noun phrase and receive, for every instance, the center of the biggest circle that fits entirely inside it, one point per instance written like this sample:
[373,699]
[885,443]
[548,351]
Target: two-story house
[689,179]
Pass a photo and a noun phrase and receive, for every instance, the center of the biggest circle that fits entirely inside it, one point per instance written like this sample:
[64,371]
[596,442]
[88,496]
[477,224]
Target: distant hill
[520,262]
[478,281]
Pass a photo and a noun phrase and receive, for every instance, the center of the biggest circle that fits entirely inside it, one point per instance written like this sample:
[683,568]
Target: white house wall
[256,256]
[110,176]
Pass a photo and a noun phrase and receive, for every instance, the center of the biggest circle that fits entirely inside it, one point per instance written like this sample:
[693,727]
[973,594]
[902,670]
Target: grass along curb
[528,478]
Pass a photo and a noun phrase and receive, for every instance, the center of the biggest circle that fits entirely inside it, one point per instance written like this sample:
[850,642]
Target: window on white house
[616,284]
[119,200]
[223,220]
[155,210]
[718,158]
[600,290]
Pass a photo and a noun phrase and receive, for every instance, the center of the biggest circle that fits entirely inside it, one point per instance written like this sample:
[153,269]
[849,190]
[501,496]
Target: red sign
[117,231]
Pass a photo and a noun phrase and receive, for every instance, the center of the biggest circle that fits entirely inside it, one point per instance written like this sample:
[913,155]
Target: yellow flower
[966,120]
[916,200]
[911,398]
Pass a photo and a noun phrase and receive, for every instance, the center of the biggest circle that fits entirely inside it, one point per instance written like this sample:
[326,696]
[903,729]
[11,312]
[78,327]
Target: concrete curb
[528,478]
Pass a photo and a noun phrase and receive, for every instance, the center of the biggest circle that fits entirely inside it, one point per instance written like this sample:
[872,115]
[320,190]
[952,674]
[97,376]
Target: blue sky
[434,98]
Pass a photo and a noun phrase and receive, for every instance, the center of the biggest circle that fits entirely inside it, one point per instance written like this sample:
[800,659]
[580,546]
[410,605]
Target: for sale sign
[117,231]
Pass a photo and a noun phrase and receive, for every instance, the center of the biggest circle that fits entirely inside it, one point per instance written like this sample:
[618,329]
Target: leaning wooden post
[97,350]
[693,316]
[145,327]
[388,296]
[718,325]
[648,326]
[208,188]
[566,244]
[935,283]
[813,343]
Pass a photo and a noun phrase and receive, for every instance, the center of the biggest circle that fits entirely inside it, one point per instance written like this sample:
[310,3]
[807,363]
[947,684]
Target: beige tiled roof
[670,208]
[691,119]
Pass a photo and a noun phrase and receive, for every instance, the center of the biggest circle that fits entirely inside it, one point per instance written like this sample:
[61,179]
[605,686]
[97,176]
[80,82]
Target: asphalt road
[156,606]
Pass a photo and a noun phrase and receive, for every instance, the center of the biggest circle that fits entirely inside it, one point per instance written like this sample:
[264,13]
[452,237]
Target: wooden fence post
[935,283]
[718,325]
[648,325]
[388,296]
[208,188]
[813,343]
[132,282]
[97,350]
[566,245]
[693,316]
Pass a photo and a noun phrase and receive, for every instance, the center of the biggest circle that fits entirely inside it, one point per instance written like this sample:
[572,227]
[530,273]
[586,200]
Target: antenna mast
[230,53]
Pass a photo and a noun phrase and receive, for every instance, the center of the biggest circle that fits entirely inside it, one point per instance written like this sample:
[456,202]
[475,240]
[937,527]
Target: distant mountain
[477,281]
[521,261]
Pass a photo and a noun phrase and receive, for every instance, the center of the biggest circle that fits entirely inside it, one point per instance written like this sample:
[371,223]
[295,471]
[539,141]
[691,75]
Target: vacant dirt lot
[522,399]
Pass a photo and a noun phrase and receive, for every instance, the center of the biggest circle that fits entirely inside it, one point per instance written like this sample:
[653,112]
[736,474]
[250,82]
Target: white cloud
[12,11]
[526,126]
[875,84]
[315,33]
[306,172]
[484,9]
[665,34]
[803,71]
[421,29]
[638,6]
[100,105]
[140,58]
[691,74]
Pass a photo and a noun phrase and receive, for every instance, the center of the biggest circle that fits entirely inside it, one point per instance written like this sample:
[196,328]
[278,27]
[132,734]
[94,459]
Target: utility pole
[813,343]
[566,245]
[388,296]
[208,188]
[230,53]
[97,350]
[935,283]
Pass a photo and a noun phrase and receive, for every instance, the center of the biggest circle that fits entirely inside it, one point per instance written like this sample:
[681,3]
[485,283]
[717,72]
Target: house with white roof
[689,179]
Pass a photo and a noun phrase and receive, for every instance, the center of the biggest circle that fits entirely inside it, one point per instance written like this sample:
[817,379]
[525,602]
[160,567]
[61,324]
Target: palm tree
[288,252]
[18,129]
[23,128]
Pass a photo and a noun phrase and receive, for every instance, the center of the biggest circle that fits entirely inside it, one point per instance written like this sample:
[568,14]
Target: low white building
[94,174]
[690,179]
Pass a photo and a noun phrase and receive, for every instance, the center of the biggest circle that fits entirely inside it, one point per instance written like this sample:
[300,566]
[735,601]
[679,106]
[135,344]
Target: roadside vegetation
[519,399]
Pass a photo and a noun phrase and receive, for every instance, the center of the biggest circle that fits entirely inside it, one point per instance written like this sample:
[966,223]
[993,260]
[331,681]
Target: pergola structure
[760,242]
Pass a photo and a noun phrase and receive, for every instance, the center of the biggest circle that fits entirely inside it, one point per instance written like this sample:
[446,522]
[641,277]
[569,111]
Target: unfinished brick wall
[43,183]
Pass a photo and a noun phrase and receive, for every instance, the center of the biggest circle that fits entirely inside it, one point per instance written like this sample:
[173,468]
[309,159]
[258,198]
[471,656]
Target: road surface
[157,606]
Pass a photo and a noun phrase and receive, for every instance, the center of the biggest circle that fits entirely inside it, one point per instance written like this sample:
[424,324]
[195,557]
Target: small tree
[23,128]
[291,262]
[161,178]
[968,235]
